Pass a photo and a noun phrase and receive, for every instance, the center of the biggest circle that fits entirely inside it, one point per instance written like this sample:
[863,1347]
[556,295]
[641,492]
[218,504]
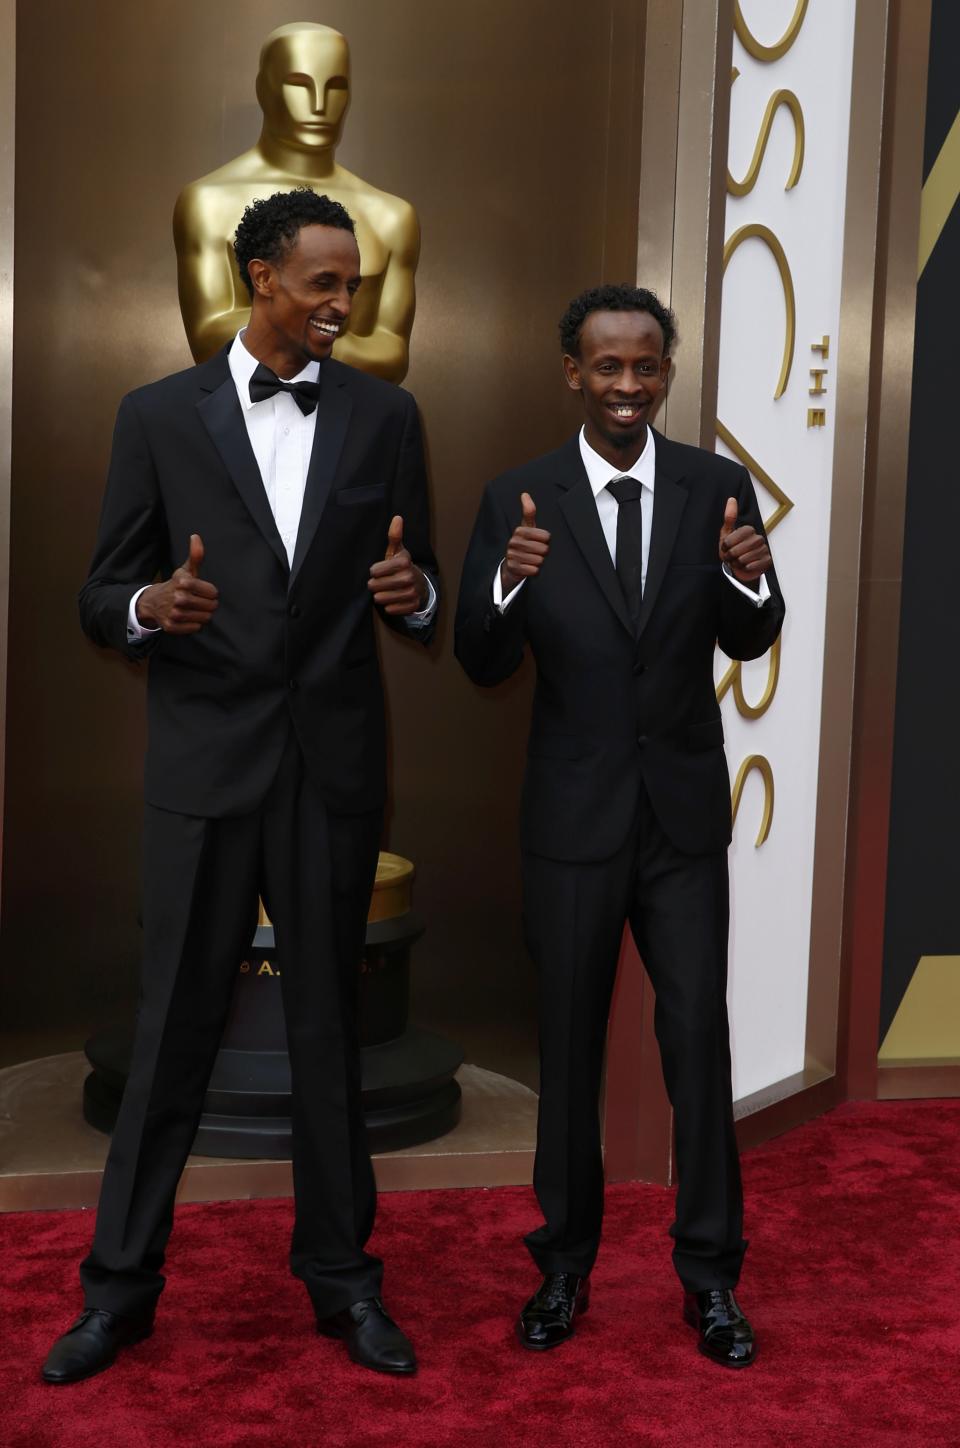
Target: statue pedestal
[409,1094]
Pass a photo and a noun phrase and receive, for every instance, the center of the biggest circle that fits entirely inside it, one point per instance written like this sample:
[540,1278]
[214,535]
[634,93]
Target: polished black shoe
[372,1338]
[92,1344]
[548,1318]
[725,1334]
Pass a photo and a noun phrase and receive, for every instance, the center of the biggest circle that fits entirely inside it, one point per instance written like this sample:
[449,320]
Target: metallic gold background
[8,20]
[514,128]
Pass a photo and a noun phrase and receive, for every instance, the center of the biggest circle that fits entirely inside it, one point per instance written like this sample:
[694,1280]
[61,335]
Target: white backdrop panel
[772,884]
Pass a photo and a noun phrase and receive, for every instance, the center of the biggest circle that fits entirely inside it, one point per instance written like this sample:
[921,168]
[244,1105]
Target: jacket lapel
[579,507]
[333,415]
[669,501]
[222,416]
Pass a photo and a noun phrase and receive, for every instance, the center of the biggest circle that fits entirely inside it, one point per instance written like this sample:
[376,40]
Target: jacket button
[638,669]
[295,610]
[642,740]
[294,685]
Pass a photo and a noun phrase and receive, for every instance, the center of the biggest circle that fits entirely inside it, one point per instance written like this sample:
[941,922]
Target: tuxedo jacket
[617,705]
[287,645]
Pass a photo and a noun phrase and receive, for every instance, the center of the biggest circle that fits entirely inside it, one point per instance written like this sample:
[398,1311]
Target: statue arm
[205,280]
[385,351]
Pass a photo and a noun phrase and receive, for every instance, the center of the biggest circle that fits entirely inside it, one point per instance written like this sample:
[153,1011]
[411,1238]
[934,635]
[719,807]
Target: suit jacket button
[295,610]
[294,685]
[638,669]
[642,740]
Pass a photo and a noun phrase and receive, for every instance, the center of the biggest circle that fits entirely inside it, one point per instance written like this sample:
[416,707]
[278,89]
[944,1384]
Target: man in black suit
[633,558]
[295,487]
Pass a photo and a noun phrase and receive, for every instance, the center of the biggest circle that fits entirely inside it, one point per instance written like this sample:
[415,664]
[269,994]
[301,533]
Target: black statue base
[409,1094]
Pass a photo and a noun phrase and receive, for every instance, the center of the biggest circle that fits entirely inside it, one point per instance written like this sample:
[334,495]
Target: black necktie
[265,383]
[627,492]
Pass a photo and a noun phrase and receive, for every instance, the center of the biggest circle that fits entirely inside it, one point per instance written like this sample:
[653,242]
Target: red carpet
[852,1280]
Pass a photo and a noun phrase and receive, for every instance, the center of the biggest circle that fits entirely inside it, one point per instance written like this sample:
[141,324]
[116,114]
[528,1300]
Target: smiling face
[620,371]
[304,86]
[302,303]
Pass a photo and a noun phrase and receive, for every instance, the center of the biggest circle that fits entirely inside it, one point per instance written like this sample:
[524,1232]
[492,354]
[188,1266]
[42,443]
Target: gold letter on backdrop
[763,233]
[752,45]
[734,674]
[303,88]
[779,98]
[762,766]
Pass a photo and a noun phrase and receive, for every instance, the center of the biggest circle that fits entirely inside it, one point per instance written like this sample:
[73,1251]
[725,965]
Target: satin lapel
[579,507]
[333,415]
[669,501]
[222,416]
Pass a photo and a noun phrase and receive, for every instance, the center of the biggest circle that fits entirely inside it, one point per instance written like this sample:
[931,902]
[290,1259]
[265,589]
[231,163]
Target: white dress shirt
[599,474]
[281,437]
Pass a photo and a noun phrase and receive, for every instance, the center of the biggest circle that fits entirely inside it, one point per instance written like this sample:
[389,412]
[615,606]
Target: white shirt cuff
[499,601]
[757,599]
[135,629]
[425,614]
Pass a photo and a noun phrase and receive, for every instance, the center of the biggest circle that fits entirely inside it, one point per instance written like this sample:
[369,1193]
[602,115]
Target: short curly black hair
[269,227]
[615,298]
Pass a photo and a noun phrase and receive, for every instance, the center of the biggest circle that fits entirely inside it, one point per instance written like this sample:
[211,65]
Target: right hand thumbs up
[527,549]
[185,602]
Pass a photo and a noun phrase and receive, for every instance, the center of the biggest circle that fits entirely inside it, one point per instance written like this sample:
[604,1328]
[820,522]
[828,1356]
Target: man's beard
[622,441]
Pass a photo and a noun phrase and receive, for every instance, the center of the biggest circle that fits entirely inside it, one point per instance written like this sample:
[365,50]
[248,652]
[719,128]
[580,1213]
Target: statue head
[303,85]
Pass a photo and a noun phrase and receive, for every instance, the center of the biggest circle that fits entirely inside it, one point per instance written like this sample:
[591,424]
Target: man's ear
[571,371]
[261,275]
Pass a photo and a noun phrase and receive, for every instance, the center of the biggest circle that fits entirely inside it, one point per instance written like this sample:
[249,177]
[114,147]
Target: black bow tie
[265,383]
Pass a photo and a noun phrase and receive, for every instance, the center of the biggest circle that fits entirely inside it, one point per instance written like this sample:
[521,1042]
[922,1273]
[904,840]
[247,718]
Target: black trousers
[678,909]
[315,871]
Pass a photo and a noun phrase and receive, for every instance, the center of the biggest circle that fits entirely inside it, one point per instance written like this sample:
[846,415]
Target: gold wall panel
[940,192]
[926,1027]
[514,129]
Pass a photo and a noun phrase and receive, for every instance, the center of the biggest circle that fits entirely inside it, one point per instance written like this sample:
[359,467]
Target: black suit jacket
[286,644]
[615,707]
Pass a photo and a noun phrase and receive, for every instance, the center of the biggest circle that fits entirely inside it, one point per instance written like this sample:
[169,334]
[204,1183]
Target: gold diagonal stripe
[940,192]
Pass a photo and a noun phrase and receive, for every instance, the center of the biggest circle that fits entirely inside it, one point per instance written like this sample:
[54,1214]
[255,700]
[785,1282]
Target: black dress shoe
[725,1334]
[548,1318]
[91,1345]
[372,1338]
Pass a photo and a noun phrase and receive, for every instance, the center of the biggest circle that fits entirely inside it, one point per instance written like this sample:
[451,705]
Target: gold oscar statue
[303,88]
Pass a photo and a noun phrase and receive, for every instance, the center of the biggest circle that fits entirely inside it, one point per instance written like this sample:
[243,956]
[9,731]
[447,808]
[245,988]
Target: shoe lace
[559,1289]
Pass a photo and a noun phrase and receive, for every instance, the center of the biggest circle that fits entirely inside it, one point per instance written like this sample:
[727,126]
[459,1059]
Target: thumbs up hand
[743,549]
[185,602]
[527,549]
[397,584]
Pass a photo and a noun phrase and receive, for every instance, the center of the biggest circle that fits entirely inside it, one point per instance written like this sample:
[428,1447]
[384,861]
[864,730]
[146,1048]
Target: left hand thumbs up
[743,549]
[397,584]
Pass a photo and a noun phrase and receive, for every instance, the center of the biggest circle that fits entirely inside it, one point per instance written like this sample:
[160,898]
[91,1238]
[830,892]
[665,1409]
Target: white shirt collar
[599,471]
[243,364]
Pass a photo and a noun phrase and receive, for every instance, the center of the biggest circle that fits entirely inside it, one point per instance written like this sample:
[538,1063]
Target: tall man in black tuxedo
[633,558]
[295,489]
